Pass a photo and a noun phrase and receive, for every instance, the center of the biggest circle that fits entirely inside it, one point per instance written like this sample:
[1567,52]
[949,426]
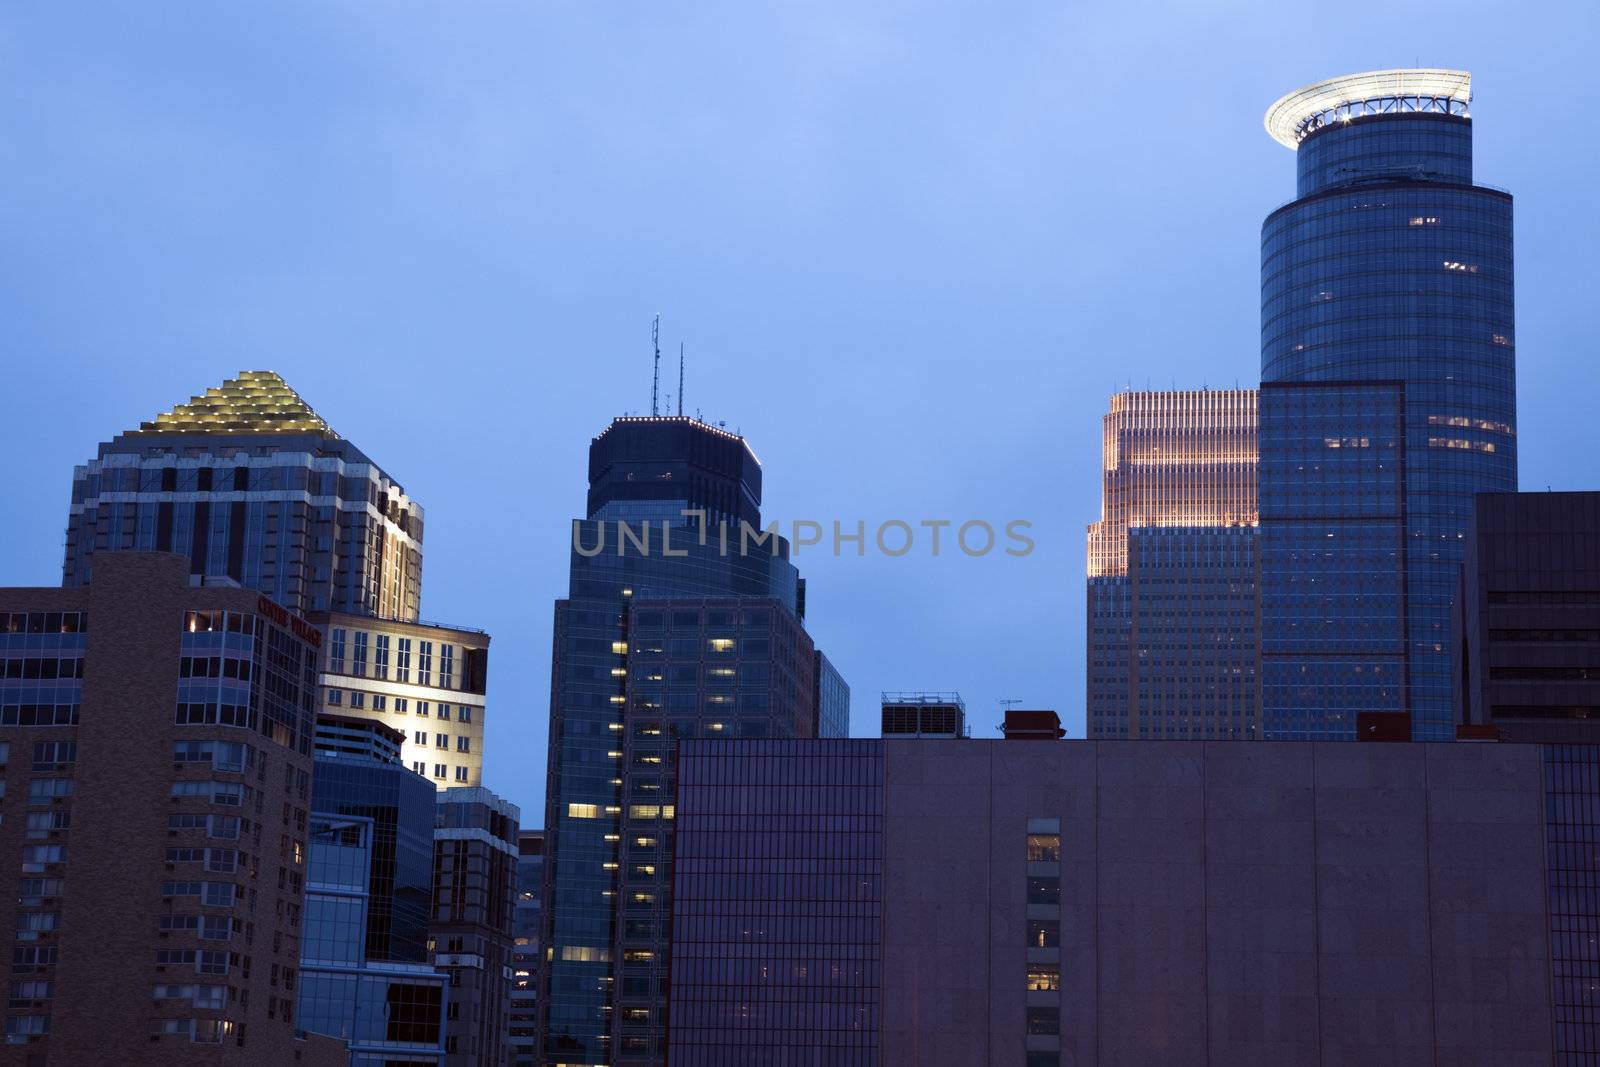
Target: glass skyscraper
[249,482]
[1388,398]
[676,625]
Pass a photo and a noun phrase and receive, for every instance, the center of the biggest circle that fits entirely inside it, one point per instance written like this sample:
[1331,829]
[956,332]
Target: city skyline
[443,422]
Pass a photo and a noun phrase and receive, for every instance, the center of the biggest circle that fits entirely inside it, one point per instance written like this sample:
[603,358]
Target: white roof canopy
[1290,117]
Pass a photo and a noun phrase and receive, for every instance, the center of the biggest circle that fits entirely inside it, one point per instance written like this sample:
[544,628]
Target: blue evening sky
[911,247]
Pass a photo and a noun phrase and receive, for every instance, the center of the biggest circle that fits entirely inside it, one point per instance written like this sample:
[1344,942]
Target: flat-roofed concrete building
[883,902]
[155,739]
[1529,623]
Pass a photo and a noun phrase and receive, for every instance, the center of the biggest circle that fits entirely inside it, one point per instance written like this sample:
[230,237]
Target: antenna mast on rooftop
[680,379]
[655,379]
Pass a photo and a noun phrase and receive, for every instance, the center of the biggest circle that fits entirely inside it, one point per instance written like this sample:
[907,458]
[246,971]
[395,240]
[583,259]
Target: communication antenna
[680,379]
[1009,703]
[655,379]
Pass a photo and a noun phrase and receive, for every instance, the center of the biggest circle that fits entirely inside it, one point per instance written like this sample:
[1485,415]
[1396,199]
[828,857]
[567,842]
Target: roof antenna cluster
[680,379]
[655,379]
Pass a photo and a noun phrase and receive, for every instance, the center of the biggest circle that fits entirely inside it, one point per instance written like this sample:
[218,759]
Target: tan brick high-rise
[156,742]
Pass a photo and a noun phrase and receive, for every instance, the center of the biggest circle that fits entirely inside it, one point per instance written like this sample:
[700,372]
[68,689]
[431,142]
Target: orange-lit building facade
[1172,563]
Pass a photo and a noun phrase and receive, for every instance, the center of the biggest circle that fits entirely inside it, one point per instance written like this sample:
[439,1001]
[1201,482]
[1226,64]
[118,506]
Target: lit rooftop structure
[257,401]
[1297,115]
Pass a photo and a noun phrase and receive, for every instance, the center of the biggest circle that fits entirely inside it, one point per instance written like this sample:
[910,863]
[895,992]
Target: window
[360,665]
[218,894]
[358,699]
[25,958]
[439,770]
[1044,933]
[424,662]
[1044,890]
[48,754]
[34,891]
[1044,1020]
[419,737]
[30,924]
[21,992]
[44,790]
[461,774]
[400,705]
[444,711]
[583,811]
[336,652]
[379,702]
[380,664]
[26,1026]
[422,709]
[1043,978]
[402,666]
[464,713]
[420,767]
[447,666]
[1044,848]
[441,740]
[35,857]
[463,744]
[42,823]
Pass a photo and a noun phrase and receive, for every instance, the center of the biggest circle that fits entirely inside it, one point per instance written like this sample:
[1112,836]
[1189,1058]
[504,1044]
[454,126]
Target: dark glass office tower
[675,626]
[1387,398]
[248,481]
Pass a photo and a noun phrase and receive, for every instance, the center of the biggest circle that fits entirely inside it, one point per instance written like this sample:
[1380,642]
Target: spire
[257,401]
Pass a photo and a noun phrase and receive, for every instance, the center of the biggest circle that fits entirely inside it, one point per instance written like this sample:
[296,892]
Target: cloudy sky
[911,249]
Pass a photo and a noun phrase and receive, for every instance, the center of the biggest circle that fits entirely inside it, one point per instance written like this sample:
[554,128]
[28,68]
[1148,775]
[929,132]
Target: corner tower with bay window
[1388,397]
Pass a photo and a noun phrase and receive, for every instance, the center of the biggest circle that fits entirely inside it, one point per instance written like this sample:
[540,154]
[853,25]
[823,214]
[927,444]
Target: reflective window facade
[1192,637]
[777,944]
[1387,304]
[401,807]
[387,1012]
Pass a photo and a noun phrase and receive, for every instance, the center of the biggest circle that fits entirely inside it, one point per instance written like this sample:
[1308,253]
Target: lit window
[1043,978]
[1044,848]
[721,644]
[585,954]
[583,811]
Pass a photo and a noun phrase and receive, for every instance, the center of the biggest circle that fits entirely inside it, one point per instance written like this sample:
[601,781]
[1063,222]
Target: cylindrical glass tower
[1388,397]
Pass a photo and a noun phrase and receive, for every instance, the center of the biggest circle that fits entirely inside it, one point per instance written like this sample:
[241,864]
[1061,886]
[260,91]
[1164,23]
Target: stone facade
[1212,902]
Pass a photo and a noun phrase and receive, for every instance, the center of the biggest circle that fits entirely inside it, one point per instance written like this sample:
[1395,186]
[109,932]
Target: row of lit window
[441,771]
[401,705]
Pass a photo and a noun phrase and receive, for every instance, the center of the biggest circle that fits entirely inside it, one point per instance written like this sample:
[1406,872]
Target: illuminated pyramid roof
[257,401]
